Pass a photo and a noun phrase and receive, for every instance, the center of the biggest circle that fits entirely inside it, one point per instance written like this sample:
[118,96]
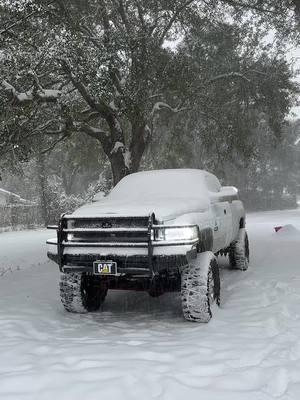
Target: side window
[212,182]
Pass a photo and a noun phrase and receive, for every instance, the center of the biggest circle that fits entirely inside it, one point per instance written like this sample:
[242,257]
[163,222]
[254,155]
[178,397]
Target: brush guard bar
[149,233]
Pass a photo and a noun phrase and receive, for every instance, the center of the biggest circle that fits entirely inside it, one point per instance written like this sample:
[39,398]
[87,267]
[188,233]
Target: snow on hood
[163,208]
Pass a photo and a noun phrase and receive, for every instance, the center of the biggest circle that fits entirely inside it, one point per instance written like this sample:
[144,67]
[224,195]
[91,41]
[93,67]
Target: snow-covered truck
[157,231]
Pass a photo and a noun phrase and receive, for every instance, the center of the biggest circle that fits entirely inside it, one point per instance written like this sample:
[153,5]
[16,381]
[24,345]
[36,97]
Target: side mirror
[230,190]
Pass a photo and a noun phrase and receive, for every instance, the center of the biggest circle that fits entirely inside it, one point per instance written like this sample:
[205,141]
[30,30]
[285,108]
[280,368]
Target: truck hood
[163,208]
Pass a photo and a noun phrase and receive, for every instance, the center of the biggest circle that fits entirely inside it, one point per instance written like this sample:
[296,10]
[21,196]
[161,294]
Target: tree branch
[100,106]
[248,6]
[160,105]
[124,17]
[5,30]
[71,127]
[98,134]
[19,97]
[229,75]
[50,148]
[45,95]
[172,20]
[44,126]
[140,13]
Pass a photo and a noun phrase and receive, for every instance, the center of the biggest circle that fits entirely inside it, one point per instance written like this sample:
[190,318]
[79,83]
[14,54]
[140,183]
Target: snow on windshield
[174,183]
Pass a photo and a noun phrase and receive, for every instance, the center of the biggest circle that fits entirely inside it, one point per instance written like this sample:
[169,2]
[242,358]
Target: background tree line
[94,90]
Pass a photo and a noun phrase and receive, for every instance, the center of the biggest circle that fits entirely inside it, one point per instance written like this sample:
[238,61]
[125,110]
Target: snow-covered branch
[228,76]
[18,96]
[91,131]
[89,115]
[48,94]
[159,105]
[255,71]
[119,146]
[44,126]
[71,126]
[45,95]
[68,128]
[96,133]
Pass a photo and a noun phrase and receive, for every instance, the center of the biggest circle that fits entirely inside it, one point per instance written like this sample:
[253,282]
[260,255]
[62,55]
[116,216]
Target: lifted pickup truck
[156,231]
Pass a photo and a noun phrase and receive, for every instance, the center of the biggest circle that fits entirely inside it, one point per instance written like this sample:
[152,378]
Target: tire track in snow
[139,347]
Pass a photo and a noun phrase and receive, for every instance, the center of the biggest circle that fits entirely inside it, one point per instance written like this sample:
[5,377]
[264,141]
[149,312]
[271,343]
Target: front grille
[109,237]
[110,222]
[107,230]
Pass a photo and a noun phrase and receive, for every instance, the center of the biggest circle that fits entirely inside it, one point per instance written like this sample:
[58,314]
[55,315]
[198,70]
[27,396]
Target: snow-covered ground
[139,347]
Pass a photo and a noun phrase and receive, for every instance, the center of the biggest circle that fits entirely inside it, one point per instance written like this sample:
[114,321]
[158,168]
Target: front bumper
[147,258]
[127,265]
[130,261]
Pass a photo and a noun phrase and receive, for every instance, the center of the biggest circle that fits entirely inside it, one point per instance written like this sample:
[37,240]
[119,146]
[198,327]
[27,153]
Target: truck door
[223,224]
[221,213]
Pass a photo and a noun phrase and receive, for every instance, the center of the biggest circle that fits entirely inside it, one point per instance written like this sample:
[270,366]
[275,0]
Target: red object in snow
[277,228]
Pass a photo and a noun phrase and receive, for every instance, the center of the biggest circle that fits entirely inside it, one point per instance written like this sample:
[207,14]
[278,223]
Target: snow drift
[138,347]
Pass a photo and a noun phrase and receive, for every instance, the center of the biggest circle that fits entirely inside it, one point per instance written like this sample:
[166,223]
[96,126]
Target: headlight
[176,233]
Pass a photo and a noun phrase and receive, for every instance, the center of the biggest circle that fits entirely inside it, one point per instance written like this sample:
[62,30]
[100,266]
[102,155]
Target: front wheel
[81,293]
[239,251]
[200,288]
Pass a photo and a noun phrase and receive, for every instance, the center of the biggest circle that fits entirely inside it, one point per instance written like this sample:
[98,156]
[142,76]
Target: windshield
[161,184]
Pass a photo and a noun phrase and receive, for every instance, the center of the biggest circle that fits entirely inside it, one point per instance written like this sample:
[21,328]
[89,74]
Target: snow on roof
[175,183]
[168,193]
[8,194]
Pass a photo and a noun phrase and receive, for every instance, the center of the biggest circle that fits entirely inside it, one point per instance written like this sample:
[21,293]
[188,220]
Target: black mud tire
[239,251]
[81,293]
[200,288]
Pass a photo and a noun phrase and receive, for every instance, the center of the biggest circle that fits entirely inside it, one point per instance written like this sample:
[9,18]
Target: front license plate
[105,268]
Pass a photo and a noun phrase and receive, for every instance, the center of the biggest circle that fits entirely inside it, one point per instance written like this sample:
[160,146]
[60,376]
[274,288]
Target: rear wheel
[200,288]
[239,251]
[81,293]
